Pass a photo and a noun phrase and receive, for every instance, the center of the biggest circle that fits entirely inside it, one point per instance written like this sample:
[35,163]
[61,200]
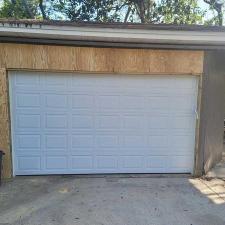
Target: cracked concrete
[112,200]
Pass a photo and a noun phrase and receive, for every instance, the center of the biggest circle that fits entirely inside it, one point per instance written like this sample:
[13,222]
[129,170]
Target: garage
[89,98]
[77,123]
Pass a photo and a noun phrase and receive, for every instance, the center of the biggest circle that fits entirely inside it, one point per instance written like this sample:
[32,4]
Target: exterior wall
[212,110]
[88,60]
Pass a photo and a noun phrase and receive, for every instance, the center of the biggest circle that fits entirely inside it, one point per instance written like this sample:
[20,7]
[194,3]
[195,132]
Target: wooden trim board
[198,165]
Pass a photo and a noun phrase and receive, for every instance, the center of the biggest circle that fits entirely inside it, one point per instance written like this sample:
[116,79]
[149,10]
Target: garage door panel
[108,121]
[56,121]
[132,121]
[56,162]
[29,163]
[56,101]
[158,122]
[182,103]
[182,122]
[158,141]
[28,141]
[26,80]
[108,102]
[56,81]
[82,121]
[56,141]
[82,101]
[67,123]
[82,162]
[180,161]
[181,141]
[106,162]
[132,162]
[132,102]
[82,141]
[110,141]
[24,100]
[156,162]
[133,141]
[28,121]
[158,102]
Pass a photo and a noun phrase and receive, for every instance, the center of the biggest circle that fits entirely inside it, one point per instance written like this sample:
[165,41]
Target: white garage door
[83,124]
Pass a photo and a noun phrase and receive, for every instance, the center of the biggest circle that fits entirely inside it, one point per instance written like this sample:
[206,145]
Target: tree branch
[42,10]
[127,14]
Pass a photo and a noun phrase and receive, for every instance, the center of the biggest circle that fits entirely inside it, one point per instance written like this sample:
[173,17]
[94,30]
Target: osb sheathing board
[4,124]
[111,60]
[87,60]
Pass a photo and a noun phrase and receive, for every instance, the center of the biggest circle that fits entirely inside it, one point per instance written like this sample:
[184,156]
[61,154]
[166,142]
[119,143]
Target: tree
[143,11]
[85,10]
[181,12]
[23,9]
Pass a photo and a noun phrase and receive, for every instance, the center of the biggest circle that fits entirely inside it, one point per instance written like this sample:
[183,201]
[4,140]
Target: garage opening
[66,123]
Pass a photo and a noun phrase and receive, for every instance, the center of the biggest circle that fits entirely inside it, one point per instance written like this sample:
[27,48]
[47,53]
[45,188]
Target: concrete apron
[112,200]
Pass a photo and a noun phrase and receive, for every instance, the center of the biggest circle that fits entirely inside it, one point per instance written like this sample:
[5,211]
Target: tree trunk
[220,15]
[127,14]
[42,10]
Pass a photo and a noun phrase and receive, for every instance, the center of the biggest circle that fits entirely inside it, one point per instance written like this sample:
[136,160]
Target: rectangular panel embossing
[91,123]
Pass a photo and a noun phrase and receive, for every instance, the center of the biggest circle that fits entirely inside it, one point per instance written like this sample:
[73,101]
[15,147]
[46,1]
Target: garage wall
[212,110]
[87,60]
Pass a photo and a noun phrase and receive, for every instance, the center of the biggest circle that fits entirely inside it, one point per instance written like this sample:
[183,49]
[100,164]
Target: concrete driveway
[112,200]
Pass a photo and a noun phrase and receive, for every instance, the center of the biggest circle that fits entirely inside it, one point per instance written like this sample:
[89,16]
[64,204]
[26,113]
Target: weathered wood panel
[5,125]
[100,60]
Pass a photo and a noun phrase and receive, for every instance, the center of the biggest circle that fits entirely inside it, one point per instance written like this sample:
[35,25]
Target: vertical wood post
[198,160]
[5,125]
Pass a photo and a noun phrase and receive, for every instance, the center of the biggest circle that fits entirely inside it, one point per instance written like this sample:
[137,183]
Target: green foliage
[144,11]
[17,9]
[85,10]
[181,12]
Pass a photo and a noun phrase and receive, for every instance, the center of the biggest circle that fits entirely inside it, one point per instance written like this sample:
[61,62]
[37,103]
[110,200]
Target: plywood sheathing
[100,60]
[5,125]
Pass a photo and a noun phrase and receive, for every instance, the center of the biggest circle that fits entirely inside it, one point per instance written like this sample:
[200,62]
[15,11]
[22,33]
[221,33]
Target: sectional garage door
[89,123]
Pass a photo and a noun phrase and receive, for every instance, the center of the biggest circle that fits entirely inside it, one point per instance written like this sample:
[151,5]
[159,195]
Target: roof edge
[118,25]
[105,44]
[132,34]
